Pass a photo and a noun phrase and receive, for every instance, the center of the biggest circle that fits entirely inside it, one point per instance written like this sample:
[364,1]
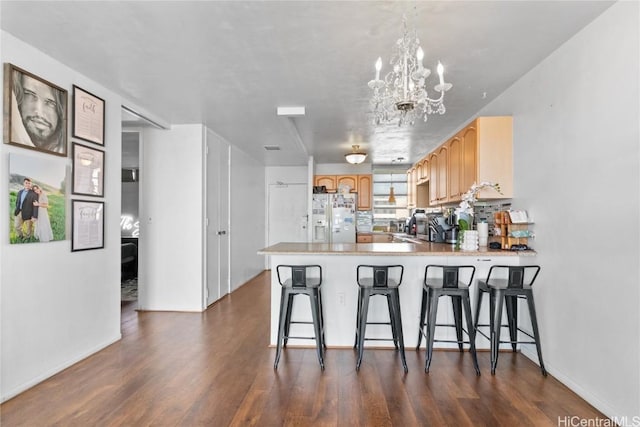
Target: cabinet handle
[483,259]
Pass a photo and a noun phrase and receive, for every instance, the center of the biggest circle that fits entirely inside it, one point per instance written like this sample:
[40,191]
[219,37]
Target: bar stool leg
[476,318]
[431,326]
[497,297]
[362,325]
[315,306]
[511,303]
[472,334]
[395,298]
[287,323]
[392,319]
[456,303]
[423,311]
[534,326]
[358,314]
[284,298]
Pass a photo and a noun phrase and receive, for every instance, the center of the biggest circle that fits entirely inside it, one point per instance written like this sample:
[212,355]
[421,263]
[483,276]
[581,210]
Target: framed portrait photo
[88,171]
[87,225]
[88,116]
[35,112]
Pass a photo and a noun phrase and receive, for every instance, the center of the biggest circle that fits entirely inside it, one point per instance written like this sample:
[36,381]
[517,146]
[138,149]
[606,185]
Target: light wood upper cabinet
[365,192]
[411,189]
[443,166]
[328,181]
[454,176]
[469,156]
[495,155]
[433,179]
[349,180]
[492,140]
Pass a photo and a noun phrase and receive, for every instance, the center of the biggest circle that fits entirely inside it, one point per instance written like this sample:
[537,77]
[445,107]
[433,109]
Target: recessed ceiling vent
[272,147]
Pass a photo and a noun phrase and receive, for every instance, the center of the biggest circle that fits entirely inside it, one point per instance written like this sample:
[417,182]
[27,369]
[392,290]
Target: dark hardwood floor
[216,369]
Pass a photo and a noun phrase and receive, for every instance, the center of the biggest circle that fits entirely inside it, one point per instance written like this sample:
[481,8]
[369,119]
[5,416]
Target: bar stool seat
[300,280]
[447,284]
[505,286]
[375,280]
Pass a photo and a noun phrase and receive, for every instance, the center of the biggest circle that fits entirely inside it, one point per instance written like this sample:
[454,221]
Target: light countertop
[403,249]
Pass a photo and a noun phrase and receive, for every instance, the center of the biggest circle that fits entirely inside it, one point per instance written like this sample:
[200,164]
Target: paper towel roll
[483,233]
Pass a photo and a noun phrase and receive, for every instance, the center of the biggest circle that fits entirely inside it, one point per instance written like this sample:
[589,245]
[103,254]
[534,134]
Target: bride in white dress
[43,225]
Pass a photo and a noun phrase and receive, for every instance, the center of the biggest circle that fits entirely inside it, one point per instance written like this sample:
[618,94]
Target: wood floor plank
[216,369]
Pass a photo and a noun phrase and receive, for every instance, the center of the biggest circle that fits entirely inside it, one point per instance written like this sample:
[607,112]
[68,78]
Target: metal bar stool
[447,284]
[379,282]
[513,283]
[300,280]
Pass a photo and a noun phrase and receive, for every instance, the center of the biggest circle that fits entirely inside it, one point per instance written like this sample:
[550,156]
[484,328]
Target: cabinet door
[349,180]
[433,179]
[424,169]
[328,181]
[443,164]
[454,177]
[469,157]
[365,199]
[411,189]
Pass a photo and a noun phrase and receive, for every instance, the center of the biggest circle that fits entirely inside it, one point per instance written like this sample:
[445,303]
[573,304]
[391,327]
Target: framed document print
[88,116]
[88,171]
[35,112]
[87,225]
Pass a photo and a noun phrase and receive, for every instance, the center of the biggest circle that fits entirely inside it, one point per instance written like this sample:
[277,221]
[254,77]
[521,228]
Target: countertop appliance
[412,222]
[334,218]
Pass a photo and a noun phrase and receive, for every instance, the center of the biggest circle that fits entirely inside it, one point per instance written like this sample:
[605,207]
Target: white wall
[171,219]
[57,306]
[247,221]
[576,163]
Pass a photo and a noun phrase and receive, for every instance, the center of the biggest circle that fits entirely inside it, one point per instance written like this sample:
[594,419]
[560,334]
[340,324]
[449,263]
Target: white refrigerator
[334,218]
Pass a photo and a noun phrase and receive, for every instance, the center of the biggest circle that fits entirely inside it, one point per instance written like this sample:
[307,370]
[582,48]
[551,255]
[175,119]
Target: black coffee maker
[411,225]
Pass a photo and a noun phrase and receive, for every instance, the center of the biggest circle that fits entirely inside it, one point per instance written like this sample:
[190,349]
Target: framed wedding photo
[87,230]
[35,112]
[88,171]
[88,116]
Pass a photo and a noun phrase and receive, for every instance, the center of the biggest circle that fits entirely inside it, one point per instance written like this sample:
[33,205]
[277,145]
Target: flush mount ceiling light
[402,94]
[356,156]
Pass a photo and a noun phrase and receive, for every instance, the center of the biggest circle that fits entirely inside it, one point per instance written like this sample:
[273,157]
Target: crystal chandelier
[402,95]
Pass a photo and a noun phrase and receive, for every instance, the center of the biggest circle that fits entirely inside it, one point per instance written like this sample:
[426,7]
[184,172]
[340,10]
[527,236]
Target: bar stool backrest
[451,274]
[298,274]
[518,277]
[381,274]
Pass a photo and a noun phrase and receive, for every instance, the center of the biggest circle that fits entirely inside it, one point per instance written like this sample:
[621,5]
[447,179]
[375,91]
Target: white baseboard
[596,402]
[51,372]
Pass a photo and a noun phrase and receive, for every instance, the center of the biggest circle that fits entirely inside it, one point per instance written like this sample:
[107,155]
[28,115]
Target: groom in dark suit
[25,213]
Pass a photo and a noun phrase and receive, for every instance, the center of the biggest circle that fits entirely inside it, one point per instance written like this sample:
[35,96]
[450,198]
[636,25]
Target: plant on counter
[465,209]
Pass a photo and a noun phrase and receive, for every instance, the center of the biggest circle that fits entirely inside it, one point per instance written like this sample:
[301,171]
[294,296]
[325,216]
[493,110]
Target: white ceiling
[229,65]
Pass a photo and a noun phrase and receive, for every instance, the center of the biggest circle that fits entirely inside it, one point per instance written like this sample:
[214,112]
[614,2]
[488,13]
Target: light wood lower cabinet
[364,238]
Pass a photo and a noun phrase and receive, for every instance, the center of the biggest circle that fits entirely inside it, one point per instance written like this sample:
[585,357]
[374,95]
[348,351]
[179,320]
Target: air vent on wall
[272,147]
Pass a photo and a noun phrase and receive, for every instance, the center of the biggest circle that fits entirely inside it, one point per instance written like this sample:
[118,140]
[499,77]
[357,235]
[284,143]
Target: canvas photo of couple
[37,200]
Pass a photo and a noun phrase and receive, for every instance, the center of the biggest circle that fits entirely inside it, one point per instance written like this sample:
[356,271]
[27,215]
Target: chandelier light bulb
[420,56]
[378,67]
[441,72]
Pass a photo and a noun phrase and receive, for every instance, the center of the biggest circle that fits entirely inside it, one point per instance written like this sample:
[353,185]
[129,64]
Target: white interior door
[287,213]
[217,206]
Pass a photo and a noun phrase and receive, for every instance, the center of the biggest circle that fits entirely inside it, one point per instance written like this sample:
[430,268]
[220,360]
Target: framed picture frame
[88,116]
[87,225]
[88,171]
[34,112]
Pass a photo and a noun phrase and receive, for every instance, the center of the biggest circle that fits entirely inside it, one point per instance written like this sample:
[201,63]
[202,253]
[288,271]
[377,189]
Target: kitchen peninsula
[340,290]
